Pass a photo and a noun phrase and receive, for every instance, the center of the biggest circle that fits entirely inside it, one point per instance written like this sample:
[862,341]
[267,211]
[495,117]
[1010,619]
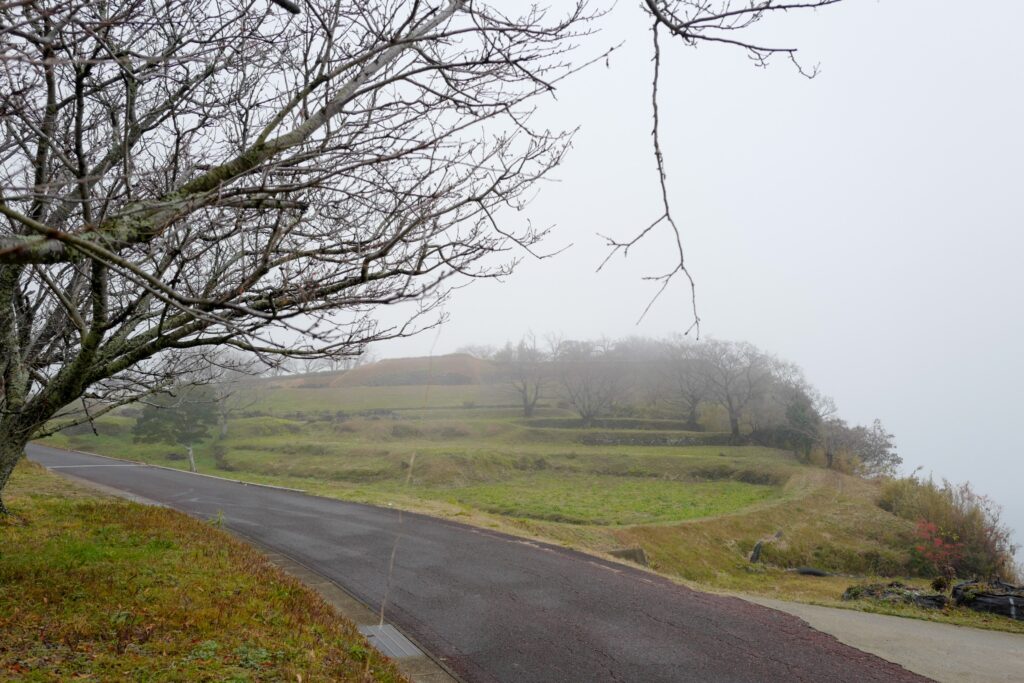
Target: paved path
[497,608]
[956,654]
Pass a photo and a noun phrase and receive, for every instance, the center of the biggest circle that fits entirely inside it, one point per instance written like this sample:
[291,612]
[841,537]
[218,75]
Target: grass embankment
[462,452]
[94,588]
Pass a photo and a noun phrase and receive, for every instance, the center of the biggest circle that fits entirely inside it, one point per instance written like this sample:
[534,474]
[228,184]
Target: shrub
[527,463]
[453,432]
[220,458]
[400,431]
[937,550]
[959,531]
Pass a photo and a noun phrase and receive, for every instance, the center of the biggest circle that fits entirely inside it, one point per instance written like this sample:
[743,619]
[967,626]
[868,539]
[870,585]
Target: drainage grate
[389,641]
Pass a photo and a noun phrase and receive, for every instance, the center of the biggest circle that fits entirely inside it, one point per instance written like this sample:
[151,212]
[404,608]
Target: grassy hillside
[99,589]
[462,451]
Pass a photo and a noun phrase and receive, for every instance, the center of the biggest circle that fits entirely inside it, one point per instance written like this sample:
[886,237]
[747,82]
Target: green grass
[492,466]
[608,501]
[98,589]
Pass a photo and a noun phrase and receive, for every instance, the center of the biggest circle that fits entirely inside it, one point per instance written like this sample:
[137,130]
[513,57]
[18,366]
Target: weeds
[959,532]
[99,589]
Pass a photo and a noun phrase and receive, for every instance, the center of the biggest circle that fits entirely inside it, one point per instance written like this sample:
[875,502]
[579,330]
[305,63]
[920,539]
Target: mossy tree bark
[9,457]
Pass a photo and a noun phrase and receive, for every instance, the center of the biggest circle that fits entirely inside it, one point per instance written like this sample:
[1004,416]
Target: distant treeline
[709,385]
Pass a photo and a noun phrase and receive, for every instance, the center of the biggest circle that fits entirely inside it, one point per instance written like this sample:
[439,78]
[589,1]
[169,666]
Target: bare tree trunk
[692,420]
[734,425]
[191,460]
[10,453]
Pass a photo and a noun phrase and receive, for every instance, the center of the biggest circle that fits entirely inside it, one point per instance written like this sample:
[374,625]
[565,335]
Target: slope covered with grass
[95,588]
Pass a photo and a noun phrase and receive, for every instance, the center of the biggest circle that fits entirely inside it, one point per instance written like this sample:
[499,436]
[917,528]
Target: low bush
[452,432]
[526,463]
[220,458]
[361,474]
[832,557]
[959,532]
[401,431]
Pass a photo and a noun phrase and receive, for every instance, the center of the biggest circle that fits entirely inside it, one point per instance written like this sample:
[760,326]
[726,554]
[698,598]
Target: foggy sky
[865,225]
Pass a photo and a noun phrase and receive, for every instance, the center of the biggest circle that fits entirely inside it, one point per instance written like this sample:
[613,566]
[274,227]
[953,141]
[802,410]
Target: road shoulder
[942,652]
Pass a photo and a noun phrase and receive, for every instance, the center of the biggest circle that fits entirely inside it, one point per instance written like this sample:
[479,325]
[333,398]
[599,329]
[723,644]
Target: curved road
[497,608]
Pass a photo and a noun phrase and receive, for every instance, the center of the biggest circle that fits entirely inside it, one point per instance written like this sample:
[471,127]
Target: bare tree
[593,383]
[178,175]
[311,365]
[695,22]
[346,363]
[738,374]
[229,376]
[686,380]
[528,370]
[479,351]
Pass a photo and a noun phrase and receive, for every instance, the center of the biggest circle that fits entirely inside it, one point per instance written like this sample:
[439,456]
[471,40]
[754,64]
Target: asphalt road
[498,608]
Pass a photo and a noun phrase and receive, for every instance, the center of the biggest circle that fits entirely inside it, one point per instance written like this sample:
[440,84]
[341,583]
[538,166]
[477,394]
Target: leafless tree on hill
[229,376]
[528,370]
[592,381]
[687,380]
[738,374]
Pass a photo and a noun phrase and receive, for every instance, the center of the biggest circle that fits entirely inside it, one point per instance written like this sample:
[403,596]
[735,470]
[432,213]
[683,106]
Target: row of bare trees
[315,364]
[760,397]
